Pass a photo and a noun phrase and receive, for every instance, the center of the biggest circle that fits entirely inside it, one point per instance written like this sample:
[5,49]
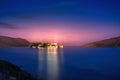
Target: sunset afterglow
[59,39]
[67,22]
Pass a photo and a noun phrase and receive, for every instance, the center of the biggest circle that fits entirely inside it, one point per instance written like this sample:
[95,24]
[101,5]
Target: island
[46,45]
[110,43]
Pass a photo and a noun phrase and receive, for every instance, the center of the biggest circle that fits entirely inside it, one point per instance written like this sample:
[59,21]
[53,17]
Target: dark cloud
[7,26]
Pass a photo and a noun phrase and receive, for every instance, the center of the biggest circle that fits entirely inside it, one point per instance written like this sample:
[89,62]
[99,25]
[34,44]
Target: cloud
[7,26]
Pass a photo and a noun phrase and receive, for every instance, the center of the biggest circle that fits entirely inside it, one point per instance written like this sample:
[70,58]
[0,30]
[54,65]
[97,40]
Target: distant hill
[13,42]
[113,42]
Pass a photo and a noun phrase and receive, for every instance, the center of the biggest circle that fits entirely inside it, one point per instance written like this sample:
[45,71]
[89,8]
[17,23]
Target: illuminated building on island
[46,45]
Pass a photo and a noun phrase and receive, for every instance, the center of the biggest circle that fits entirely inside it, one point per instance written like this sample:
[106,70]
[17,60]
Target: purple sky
[69,22]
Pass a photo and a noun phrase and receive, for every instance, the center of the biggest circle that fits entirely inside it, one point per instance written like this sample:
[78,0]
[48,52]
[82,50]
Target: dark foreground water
[70,63]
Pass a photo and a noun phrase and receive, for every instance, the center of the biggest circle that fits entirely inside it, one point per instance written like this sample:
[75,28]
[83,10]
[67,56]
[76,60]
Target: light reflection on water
[73,64]
[52,64]
[48,59]
[41,58]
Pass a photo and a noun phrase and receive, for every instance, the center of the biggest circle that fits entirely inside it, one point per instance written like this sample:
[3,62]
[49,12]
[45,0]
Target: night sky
[62,21]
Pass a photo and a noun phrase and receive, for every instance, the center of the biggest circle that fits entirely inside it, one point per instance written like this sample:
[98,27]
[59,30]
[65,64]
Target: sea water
[69,63]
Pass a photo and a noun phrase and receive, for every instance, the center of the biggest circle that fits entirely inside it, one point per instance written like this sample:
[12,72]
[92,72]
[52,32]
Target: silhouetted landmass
[13,42]
[9,71]
[113,42]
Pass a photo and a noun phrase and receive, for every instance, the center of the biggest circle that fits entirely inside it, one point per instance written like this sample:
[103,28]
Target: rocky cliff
[113,42]
[9,71]
[13,42]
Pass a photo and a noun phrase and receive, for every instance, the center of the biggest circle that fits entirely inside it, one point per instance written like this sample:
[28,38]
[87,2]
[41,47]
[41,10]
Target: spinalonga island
[46,45]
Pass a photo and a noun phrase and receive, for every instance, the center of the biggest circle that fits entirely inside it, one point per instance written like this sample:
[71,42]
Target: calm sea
[70,63]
